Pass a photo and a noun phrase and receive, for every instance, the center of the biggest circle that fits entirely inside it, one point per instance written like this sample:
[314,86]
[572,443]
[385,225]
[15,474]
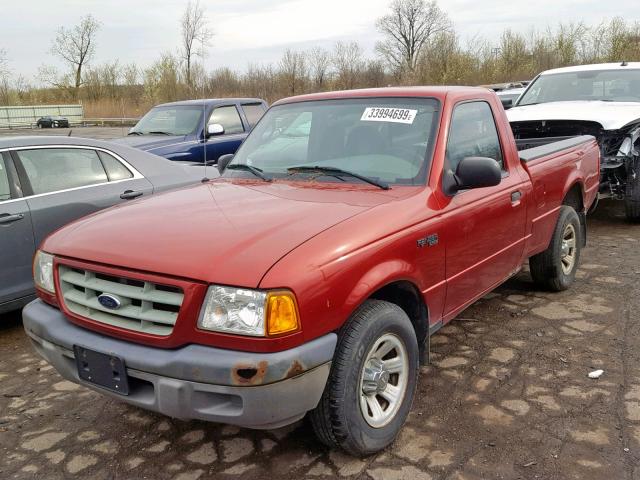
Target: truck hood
[227,232]
[150,142]
[611,115]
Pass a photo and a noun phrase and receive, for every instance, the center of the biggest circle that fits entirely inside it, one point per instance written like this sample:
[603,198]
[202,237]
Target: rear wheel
[555,268]
[372,382]
[632,197]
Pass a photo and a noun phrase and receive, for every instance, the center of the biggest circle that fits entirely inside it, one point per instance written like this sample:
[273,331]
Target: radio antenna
[204,112]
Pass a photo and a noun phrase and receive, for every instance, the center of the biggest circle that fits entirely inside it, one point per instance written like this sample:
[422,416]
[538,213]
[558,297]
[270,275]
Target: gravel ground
[506,397]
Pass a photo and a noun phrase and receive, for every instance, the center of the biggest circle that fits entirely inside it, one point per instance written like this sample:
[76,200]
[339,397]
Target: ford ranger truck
[347,229]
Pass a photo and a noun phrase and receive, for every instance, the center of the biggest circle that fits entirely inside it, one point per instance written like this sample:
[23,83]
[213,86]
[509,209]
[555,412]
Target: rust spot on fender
[248,374]
[295,369]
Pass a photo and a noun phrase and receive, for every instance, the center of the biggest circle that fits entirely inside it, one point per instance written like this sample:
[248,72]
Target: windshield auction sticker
[382,114]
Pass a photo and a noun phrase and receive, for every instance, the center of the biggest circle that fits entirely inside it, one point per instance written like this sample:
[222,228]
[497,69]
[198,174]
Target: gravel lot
[506,397]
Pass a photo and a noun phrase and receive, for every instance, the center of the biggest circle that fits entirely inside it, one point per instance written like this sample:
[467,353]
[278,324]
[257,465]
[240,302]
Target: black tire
[632,196]
[547,267]
[338,420]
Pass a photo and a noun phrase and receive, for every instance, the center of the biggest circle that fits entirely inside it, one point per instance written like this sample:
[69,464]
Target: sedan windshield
[170,120]
[605,85]
[364,140]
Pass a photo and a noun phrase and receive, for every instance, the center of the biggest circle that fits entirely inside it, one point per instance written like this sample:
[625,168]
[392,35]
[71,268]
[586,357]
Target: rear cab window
[473,133]
[228,117]
[49,170]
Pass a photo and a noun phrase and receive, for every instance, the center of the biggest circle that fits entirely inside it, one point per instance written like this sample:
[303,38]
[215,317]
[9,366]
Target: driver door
[484,228]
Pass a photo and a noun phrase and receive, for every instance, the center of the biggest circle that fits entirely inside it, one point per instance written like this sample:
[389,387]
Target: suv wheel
[372,382]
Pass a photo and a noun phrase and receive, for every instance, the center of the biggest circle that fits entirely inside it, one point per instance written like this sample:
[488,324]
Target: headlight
[43,271]
[249,312]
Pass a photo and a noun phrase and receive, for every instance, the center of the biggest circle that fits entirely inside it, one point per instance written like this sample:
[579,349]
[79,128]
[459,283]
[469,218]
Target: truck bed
[532,148]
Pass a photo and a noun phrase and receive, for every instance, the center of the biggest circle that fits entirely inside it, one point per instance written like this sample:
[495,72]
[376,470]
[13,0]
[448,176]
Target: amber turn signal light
[282,313]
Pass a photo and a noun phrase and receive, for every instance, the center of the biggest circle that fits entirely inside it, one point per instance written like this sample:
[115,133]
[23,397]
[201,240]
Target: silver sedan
[46,182]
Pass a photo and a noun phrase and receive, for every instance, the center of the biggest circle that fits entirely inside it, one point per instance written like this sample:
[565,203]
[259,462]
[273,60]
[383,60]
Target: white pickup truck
[602,100]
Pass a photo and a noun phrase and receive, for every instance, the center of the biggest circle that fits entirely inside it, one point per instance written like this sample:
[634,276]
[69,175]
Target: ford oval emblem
[109,301]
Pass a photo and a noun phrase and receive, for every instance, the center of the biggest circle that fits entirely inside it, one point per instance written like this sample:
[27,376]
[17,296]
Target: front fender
[380,275]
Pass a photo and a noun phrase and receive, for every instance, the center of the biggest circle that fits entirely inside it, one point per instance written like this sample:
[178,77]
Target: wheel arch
[575,198]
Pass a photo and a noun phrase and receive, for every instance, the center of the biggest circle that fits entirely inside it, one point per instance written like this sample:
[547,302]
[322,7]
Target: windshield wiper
[248,168]
[134,133]
[339,171]
[157,132]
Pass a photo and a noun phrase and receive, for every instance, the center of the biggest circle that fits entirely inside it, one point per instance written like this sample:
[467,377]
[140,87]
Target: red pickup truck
[347,229]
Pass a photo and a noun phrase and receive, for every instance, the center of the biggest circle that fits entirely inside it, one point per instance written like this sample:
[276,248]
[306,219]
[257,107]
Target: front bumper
[254,390]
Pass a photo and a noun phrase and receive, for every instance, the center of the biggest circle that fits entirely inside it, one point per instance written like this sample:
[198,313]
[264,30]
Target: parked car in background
[310,279]
[509,96]
[602,100]
[195,129]
[46,182]
[53,122]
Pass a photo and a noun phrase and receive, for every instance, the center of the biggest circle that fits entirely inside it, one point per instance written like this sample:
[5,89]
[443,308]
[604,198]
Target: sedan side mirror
[474,172]
[223,161]
[214,129]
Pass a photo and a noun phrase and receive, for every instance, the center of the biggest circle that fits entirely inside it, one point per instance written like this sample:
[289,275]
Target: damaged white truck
[602,100]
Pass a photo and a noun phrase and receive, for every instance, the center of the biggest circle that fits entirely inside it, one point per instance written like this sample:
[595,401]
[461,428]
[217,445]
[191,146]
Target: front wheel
[372,382]
[555,268]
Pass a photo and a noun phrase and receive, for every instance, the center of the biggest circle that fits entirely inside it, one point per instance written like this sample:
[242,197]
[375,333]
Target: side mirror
[223,161]
[214,129]
[507,103]
[474,172]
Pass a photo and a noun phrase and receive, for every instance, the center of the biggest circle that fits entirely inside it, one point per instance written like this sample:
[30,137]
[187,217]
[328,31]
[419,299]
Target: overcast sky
[257,31]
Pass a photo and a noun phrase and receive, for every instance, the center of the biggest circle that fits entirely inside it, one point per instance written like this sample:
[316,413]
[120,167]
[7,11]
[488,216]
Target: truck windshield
[605,85]
[388,140]
[170,120]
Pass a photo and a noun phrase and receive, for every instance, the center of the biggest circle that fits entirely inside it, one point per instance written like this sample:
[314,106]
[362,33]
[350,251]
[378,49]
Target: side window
[115,169]
[229,118]
[253,112]
[473,133]
[53,169]
[5,192]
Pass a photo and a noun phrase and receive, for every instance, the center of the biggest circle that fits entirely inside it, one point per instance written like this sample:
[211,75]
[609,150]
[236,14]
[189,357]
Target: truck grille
[144,306]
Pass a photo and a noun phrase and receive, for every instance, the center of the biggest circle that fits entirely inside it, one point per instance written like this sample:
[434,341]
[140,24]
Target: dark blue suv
[193,130]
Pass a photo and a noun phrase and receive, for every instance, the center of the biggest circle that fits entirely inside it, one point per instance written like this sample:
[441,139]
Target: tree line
[418,45]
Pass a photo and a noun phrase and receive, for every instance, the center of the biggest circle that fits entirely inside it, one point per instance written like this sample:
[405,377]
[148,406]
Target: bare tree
[348,63]
[319,61]
[293,71]
[407,28]
[76,46]
[5,78]
[195,33]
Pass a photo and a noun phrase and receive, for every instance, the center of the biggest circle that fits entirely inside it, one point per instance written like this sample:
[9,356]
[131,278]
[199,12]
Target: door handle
[515,197]
[6,218]
[130,194]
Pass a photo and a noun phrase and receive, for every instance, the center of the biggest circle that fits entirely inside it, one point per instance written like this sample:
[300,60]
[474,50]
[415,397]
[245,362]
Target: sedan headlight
[43,271]
[249,312]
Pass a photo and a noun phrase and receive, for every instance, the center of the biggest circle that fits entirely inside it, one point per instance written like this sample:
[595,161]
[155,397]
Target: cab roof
[413,92]
[211,101]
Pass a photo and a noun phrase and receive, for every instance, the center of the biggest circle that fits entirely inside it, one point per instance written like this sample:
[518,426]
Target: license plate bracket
[102,369]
